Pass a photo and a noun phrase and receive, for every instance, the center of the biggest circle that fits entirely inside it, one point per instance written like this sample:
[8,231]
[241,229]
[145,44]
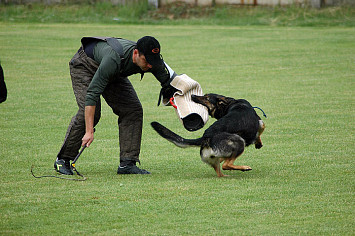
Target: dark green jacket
[110,68]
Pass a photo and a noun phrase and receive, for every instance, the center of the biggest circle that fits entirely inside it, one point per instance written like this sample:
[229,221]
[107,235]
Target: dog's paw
[258,145]
[248,168]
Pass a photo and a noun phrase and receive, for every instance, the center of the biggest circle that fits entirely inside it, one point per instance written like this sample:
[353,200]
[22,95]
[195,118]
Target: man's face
[139,60]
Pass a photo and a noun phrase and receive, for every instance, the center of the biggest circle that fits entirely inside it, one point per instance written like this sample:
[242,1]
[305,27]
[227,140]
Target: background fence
[157,3]
[314,3]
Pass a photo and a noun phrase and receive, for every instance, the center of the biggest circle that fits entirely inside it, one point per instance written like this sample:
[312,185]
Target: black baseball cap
[150,48]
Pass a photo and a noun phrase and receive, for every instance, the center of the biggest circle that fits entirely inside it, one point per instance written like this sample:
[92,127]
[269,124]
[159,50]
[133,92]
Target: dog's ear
[222,101]
[222,106]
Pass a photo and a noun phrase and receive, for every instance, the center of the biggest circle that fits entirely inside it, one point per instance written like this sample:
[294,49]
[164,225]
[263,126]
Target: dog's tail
[174,138]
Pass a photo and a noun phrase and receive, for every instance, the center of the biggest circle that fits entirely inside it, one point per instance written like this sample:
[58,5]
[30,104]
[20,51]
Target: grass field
[302,182]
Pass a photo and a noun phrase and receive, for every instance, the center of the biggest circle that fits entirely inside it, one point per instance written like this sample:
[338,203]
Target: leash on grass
[261,110]
[83,178]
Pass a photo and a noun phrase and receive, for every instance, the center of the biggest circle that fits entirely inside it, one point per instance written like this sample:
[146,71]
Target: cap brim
[154,60]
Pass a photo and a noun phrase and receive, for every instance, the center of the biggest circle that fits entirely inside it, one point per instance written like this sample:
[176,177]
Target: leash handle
[77,157]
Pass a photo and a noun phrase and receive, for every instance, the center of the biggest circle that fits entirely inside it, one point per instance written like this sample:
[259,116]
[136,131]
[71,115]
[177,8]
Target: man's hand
[87,139]
[166,92]
[89,126]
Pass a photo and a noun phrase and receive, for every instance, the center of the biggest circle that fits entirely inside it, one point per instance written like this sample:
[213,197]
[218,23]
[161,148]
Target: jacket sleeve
[164,74]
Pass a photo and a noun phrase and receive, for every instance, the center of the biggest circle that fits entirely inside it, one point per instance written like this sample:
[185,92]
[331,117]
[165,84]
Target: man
[101,67]
[3,89]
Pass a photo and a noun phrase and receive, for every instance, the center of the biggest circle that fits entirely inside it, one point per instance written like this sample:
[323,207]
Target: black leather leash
[60,177]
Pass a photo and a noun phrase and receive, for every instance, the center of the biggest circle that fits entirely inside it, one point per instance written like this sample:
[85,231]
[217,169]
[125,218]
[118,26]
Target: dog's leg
[229,162]
[207,156]
[215,163]
[241,168]
[258,143]
[229,165]
[218,170]
[238,149]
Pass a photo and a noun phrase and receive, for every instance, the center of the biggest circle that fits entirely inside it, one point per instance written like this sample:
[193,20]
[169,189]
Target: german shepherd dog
[237,126]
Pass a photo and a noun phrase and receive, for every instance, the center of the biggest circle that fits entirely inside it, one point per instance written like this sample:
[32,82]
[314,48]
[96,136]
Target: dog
[237,127]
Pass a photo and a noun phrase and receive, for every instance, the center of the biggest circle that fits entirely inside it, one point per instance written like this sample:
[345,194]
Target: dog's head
[217,105]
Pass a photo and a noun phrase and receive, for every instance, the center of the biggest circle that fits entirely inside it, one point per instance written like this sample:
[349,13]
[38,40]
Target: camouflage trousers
[119,95]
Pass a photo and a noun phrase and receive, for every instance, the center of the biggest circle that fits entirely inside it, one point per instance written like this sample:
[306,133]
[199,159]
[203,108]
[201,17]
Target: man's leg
[122,98]
[82,69]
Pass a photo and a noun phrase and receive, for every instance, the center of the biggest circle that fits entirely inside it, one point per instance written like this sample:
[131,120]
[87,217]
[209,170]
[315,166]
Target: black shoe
[131,169]
[63,166]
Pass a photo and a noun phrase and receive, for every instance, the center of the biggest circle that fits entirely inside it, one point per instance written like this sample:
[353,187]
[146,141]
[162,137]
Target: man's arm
[110,63]
[164,74]
[89,126]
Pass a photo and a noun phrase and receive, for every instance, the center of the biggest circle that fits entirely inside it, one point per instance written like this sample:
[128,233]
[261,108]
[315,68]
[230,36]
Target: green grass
[302,182]
[74,13]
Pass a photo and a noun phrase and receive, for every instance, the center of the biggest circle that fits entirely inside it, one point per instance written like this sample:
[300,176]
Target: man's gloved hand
[166,92]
